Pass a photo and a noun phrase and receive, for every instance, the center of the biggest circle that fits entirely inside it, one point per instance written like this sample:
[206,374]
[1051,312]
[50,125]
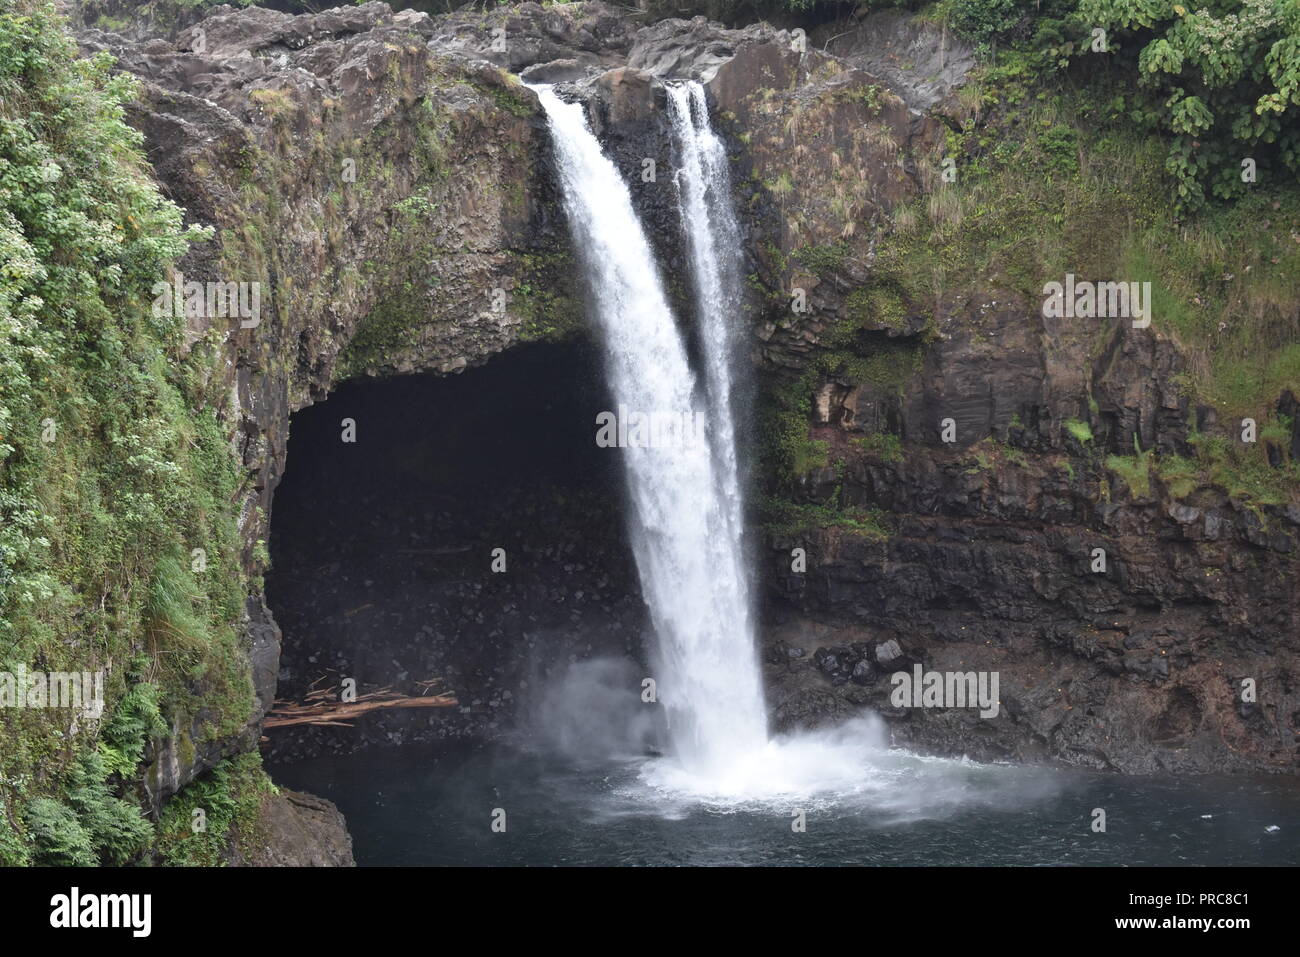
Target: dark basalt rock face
[987,564]
[1138,669]
[251,118]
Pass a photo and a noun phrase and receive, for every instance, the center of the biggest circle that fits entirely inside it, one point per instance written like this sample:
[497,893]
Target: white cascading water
[713,236]
[685,497]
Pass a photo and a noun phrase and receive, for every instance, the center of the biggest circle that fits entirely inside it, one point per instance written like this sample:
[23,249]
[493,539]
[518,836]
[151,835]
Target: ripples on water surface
[433,805]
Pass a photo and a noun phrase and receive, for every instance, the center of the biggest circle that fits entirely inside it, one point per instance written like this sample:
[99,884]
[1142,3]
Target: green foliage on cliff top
[1222,284]
[1220,81]
[109,476]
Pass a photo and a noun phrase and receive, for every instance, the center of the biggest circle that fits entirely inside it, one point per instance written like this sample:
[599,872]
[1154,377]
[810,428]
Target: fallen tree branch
[284,714]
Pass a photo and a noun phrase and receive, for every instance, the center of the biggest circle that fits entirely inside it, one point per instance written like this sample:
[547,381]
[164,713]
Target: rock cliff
[386,178]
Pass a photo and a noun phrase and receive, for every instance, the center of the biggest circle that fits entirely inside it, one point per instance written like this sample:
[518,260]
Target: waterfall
[713,237]
[685,508]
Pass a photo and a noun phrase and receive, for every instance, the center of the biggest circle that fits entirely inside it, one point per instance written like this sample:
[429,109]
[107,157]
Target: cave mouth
[382,548]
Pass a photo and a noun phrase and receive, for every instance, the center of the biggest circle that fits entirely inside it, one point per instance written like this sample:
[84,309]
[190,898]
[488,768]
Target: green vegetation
[983,21]
[989,453]
[393,325]
[113,475]
[877,305]
[90,824]
[509,97]
[782,186]
[57,836]
[882,445]
[1134,469]
[418,208]
[277,103]
[1180,475]
[1058,161]
[1219,83]
[216,812]
[135,721]
[1239,470]
[1079,429]
[786,448]
[549,314]
[13,851]
[823,259]
[870,96]
[1222,286]
[788,519]
[1243,471]
[1223,81]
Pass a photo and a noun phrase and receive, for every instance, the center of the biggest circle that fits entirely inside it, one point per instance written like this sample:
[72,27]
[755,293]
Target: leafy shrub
[116,829]
[94,826]
[1224,81]
[983,21]
[229,797]
[787,518]
[56,836]
[1060,144]
[13,853]
[135,720]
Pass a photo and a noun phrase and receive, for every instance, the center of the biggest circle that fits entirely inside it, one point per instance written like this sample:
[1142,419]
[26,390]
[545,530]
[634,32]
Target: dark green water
[435,805]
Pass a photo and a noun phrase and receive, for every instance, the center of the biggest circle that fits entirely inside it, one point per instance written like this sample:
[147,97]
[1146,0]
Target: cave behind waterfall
[382,548]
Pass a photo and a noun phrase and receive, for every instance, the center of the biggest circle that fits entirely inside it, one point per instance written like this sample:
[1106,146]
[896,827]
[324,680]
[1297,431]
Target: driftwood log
[318,710]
